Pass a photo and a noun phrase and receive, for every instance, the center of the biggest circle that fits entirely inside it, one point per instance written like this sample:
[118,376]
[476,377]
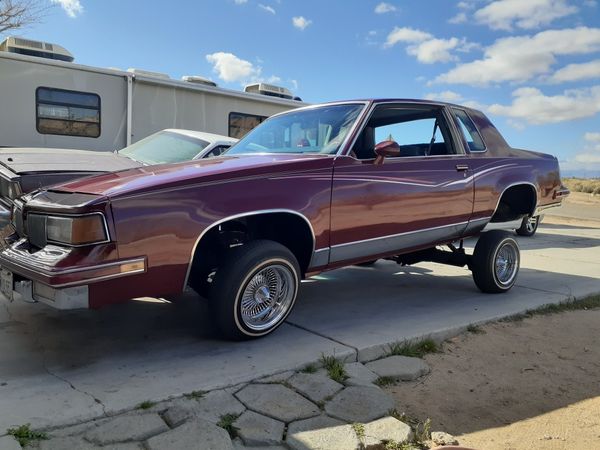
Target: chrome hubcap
[531,224]
[506,264]
[267,297]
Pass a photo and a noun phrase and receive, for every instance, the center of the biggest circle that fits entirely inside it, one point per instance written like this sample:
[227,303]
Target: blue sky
[532,65]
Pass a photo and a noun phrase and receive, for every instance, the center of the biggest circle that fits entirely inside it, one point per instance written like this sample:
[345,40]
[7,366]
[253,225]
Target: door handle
[462,167]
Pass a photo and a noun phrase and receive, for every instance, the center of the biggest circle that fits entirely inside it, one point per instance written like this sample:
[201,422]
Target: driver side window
[419,131]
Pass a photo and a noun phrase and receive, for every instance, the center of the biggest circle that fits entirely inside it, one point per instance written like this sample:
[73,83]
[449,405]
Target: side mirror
[386,149]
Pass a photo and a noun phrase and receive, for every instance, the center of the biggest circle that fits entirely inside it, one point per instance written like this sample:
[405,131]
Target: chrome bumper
[33,292]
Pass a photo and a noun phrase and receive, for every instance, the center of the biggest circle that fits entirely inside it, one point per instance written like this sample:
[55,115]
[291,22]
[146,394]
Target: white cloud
[267,8]
[435,50]
[240,2]
[592,137]
[445,96]
[590,3]
[504,14]
[406,34]
[532,106]
[301,22]
[576,72]
[71,7]
[230,68]
[520,58]
[461,17]
[384,7]
[425,47]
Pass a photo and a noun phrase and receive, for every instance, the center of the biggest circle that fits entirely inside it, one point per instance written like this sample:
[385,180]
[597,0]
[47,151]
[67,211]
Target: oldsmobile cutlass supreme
[308,190]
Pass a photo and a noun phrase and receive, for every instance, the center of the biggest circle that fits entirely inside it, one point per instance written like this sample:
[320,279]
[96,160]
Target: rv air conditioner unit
[269,89]
[196,79]
[149,73]
[35,48]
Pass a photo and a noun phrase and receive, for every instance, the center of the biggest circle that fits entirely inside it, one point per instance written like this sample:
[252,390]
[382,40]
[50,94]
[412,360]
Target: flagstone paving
[291,410]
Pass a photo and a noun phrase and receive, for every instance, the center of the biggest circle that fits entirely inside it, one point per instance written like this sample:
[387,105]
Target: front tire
[254,290]
[529,226]
[495,262]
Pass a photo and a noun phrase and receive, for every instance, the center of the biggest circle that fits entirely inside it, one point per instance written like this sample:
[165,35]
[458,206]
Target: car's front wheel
[495,262]
[254,290]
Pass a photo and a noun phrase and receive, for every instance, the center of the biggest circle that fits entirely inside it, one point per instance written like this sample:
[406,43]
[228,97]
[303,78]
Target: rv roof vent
[198,80]
[269,89]
[148,73]
[35,48]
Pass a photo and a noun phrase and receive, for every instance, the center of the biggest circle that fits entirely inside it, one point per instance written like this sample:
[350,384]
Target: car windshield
[313,130]
[164,147]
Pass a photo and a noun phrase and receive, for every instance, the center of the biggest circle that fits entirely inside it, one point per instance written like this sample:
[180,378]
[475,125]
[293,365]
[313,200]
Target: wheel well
[289,229]
[515,203]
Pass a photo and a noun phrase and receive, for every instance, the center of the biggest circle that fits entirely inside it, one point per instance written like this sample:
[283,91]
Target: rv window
[69,113]
[241,123]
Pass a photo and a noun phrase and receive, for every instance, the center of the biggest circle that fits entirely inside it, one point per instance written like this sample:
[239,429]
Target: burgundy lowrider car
[308,190]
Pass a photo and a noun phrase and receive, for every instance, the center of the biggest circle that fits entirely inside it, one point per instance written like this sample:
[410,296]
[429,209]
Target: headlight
[69,230]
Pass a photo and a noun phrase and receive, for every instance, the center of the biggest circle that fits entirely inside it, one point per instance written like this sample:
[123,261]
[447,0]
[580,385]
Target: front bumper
[32,292]
[39,276]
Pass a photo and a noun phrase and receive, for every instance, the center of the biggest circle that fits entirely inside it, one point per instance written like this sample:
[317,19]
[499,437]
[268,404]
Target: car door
[415,200]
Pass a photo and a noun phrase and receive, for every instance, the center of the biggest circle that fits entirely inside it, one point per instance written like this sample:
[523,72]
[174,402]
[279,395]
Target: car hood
[224,168]
[42,160]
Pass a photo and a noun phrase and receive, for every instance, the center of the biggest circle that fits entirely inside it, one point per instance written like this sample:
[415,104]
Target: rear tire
[495,262]
[529,226]
[254,289]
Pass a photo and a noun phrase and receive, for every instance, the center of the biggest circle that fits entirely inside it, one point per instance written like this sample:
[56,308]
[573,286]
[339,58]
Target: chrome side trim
[320,258]
[541,208]
[390,243]
[238,216]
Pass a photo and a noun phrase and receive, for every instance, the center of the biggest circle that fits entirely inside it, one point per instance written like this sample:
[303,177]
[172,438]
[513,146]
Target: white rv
[48,101]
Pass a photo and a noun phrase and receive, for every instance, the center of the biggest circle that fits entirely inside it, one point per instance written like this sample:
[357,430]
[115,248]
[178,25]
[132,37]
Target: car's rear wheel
[254,290]
[529,226]
[495,262]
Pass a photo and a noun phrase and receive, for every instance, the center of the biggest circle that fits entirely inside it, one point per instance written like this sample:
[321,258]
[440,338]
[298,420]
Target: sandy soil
[532,384]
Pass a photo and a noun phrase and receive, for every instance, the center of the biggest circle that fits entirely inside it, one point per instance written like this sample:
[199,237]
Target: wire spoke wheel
[506,263]
[531,224]
[267,297]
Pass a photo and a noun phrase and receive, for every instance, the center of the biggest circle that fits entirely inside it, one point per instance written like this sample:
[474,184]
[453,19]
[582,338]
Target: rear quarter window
[469,131]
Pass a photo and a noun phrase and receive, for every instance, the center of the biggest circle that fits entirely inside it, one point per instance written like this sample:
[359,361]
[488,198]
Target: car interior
[420,132]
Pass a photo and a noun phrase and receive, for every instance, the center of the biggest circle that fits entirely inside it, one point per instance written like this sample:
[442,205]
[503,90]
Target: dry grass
[585,185]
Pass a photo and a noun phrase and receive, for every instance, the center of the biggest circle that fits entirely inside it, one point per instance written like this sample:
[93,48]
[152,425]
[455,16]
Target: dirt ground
[531,384]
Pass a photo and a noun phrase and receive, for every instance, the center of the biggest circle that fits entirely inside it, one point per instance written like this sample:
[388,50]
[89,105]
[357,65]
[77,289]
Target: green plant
[359,430]
[414,349]
[385,381]
[591,302]
[309,368]
[24,434]
[147,404]
[475,329]
[194,395]
[335,369]
[226,422]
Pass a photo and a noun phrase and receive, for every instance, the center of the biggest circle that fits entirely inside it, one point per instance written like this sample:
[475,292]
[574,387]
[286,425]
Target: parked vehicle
[25,169]
[59,104]
[309,190]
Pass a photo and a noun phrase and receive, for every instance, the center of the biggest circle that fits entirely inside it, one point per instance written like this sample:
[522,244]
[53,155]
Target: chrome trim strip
[50,273]
[238,216]
[385,244]
[320,258]
[541,208]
